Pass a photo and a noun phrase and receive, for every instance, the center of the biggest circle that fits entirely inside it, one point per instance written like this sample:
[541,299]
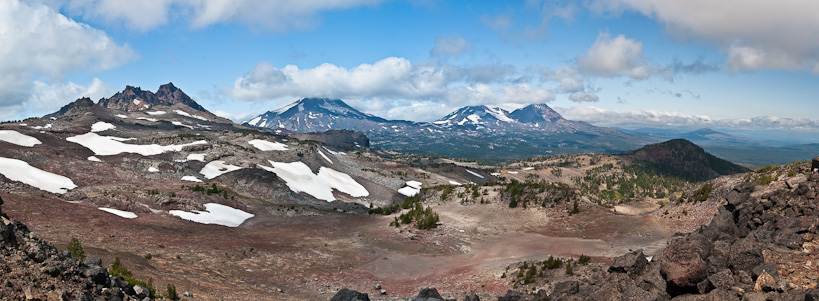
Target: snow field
[265,145]
[217,168]
[325,157]
[15,137]
[191,179]
[299,178]
[18,170]
[215,214]
[120,213]
[102,126]
[108,146]
[474,173]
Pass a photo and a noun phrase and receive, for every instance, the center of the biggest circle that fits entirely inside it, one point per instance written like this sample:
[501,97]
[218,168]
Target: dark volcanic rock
[428,294]
[684,265]
[350,295]
[632,263]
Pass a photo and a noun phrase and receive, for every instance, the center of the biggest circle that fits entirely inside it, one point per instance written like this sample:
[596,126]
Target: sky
[730,64]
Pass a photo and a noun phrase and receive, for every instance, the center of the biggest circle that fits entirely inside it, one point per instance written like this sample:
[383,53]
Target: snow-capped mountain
[476,117]
[321,114]
[473,131]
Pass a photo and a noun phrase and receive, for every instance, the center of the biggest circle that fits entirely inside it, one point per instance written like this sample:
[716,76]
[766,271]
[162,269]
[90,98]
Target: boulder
[472,297]
[566,288]
[722,280]
[765,283]
[36,253]
[97,274]
[683,265]
[745,254]
[92,262]
[428,294]
[814,165]
[633,263]
[350,295]
[140,292]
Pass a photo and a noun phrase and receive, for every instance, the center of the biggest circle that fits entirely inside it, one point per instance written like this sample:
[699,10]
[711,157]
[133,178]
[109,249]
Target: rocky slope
[762,245]
[33,269]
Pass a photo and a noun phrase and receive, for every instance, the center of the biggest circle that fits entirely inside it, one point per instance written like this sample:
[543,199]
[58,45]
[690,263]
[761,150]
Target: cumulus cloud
[392,87]
[49,97]
[149,14]
[38,42]
[755,34]
[663,119]
[615,56]
[583,97]
[450,46]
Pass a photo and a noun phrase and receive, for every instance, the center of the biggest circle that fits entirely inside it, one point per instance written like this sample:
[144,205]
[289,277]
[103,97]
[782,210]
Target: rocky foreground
[762,245]
[33,269]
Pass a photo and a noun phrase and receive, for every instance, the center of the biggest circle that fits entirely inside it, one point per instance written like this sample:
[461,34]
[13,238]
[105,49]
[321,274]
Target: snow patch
[409,191]
[153,169]
[102,126]
[215,214]
[186,114]
[120,213]
[217,168]
[325,157]
[121,116]
[334,153]
[94,159]
[137,101]
[15,137]
[191,179]
[147,118]
[529,168]
[18,170]
[414,184]
[155,113]
[265,145]
[177,123]
[47,126]
[255,121]
[455,183]
[196,157]
[108,146]
[474,173]
[300,178]
[512,172]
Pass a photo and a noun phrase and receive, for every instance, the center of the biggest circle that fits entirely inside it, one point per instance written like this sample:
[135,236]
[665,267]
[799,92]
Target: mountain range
[478,132]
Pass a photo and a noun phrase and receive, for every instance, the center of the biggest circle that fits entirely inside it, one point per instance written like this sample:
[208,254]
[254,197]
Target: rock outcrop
[32,269]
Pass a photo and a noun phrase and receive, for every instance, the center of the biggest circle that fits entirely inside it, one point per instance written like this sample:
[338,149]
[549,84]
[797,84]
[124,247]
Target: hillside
[682,159]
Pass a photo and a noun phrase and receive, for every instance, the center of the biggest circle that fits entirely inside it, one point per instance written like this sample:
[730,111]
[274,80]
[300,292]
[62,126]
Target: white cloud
[755,34]
[37,42]
[149,14]
[524,93]
[47,97]
[666,119]
[612,57]
[236,117]
[583,97]
[450,46]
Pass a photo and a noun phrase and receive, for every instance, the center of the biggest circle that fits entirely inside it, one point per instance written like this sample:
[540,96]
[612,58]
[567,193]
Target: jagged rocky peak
[169,94]
[136,99]
[79,105]
[535,113]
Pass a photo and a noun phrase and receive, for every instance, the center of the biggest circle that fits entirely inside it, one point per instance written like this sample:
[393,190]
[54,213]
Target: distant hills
[740,150]
[682,159]
[477,132]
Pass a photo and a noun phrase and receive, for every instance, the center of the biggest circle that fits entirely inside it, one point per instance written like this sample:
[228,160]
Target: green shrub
[117,269]
[569,269]
[75,248]
[148,256]
[170,293]
[584,259]
[552,263]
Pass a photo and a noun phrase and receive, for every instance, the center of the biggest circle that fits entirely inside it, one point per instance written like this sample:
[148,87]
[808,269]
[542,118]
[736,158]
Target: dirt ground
[311,257]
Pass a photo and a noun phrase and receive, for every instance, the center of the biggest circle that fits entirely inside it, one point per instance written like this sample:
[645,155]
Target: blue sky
[733,64]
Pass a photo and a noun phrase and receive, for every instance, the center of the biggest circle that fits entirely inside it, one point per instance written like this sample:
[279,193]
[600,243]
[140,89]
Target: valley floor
[311,257]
